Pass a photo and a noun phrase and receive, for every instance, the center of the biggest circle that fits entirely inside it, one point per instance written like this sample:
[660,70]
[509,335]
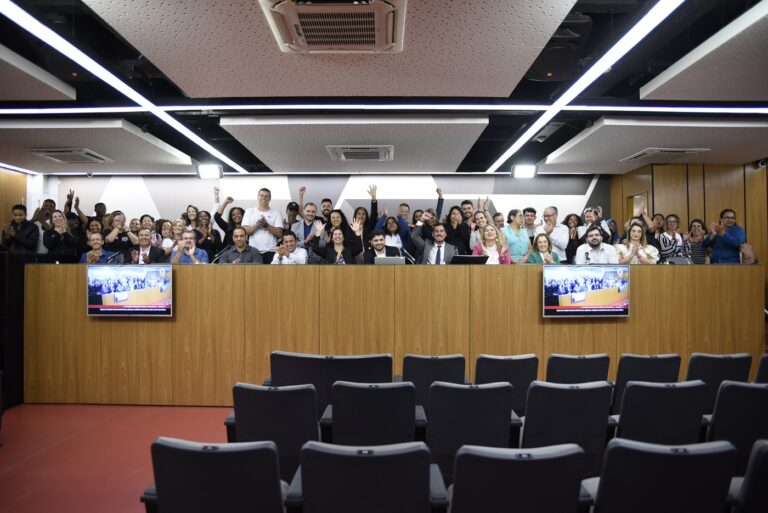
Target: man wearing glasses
[725,239]
[558,233]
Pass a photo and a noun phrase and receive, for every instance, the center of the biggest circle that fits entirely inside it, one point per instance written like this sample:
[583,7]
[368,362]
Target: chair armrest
[294,497]
[515,420]
[231,426]
[588,492]
[613,421]
[734,491]
[327,418]
[421,417]
[438,494]
[149,498]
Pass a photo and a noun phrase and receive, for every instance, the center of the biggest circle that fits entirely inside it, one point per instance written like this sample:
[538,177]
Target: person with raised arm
[341,249]
[234,218]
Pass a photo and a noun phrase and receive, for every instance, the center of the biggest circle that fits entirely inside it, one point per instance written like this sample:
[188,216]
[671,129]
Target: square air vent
[351,26]
[662,155]
[377,153]
[70,155]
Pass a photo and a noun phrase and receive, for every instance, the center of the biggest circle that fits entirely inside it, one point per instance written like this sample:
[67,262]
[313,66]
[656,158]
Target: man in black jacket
[145,252]
[20,236]
[378,249]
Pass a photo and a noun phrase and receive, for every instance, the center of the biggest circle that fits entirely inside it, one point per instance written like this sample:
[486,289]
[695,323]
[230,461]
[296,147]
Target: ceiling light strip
[637,33]
[394,107]
[37,29]
[10,167]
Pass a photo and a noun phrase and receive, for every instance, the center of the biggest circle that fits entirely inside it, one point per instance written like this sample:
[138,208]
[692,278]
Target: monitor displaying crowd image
[586,291]
[135,290]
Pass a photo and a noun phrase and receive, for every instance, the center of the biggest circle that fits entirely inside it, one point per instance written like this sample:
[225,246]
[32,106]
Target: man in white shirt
[264,225]
[594,251]
[287,252]
[558,233]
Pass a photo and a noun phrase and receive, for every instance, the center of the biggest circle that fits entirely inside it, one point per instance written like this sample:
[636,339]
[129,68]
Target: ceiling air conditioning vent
[661,155]
[71,155]
[367,26]
[378,153]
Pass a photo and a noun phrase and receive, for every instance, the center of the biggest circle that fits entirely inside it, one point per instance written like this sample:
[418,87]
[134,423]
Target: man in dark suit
[434,251]
[145,252]
[378,249]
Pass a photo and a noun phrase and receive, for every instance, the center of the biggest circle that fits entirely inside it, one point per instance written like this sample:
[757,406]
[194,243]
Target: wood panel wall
[702,191]
[228,319]
[13,190]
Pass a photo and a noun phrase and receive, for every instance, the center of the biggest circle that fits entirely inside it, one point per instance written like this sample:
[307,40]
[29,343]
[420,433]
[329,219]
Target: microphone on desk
[221,253]
[113,257]
[408,256]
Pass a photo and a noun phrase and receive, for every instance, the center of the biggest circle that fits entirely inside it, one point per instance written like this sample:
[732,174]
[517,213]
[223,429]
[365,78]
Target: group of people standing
[306,233]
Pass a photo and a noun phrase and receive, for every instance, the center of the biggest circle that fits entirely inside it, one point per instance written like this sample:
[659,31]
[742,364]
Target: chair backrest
[195,477]
[762,369]
[663,413]
[753,496]
[741,417]
[566,368]
[466,415]
[519,370]
[422,371]
[285,415]
[561,414]
[373,413]
[323,371]
[492,479]
[639,477]
[713,369]
[383,478]
[655,368]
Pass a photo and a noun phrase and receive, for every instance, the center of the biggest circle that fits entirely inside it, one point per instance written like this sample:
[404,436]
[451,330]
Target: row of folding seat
[384,413]
[636,477]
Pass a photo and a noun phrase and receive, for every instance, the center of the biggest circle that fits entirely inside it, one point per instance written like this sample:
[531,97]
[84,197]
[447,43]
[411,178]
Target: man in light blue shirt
[188,253]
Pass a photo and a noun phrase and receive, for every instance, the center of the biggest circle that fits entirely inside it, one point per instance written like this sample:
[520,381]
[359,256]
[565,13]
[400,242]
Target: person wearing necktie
[434,251]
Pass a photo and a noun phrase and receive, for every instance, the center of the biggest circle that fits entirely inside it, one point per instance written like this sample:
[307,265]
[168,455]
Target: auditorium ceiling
[478,87]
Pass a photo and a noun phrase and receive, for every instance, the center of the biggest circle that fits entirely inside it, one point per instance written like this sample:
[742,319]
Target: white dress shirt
[605,254]
[433,254]
[299,256]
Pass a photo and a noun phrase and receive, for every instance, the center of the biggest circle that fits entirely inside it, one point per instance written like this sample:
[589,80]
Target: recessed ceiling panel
[732,65]
[21,80]
[298,145]
[226,49]
[129,149]
[601,148]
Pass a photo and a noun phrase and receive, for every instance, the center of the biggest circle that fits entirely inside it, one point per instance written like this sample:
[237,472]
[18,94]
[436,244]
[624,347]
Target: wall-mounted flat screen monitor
[130,290]
[586,291]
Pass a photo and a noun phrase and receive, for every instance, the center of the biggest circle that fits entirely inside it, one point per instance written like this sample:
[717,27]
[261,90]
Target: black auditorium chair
[466,415]
[518,370]
[372,479]
[713,369]
[373,413]
[740,417]
[656,368]
[639,477]
[762,369]
[193,477]
[324,370]
[662,413]
[565,368]
[544,480]
[286,415]
[752,496]
[561,414]
[422,371]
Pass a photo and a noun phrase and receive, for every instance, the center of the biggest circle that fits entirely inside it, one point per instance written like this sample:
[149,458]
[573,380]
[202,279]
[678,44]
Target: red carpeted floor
[88,459]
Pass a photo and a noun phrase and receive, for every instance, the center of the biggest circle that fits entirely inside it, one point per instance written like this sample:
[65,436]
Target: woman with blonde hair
[174,239]
[494,245]
[635,248]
